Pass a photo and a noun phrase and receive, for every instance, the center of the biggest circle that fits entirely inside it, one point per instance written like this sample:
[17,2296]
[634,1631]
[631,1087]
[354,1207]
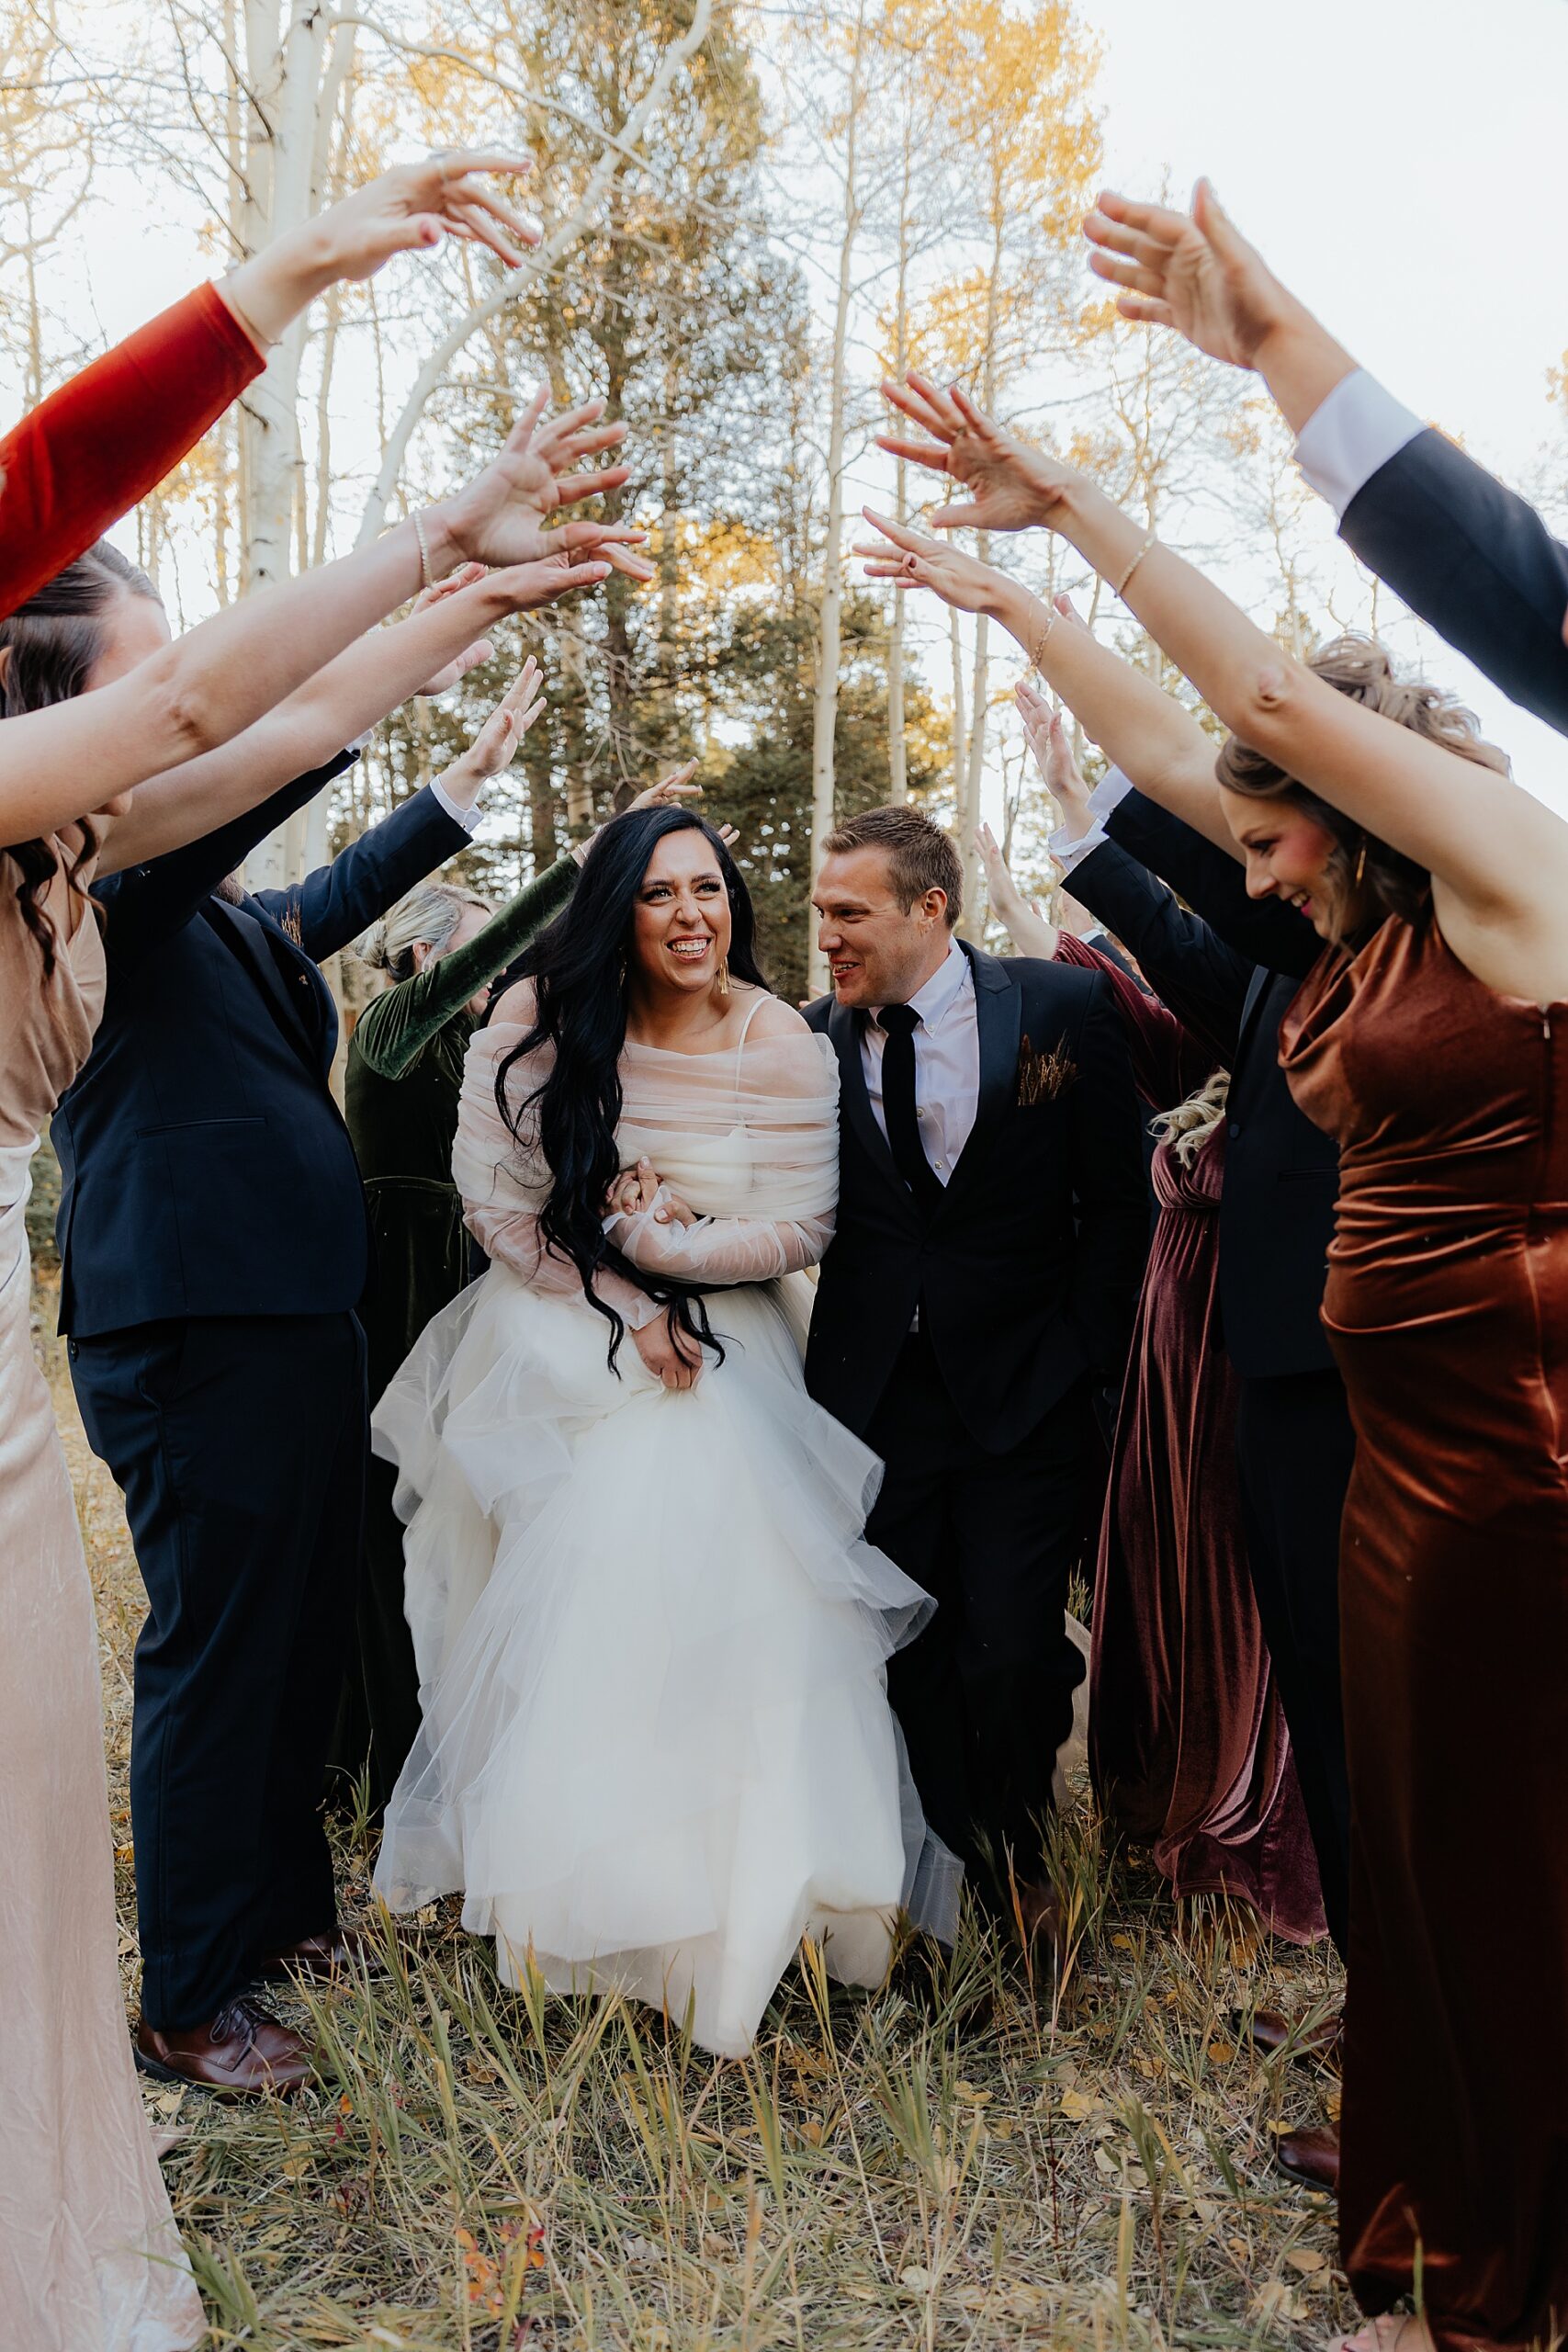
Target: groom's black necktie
[900,1023]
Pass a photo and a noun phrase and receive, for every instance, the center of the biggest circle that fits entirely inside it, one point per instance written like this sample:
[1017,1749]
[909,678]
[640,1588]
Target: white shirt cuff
[1070,854]
[1113,787]
[468,817]
[1351,436]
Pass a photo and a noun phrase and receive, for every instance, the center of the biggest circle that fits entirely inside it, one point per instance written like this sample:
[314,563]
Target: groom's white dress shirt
[947,1060]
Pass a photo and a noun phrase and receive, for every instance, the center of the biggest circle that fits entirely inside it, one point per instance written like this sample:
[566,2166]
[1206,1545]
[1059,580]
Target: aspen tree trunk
[971,925]
[825,705]
[897,754]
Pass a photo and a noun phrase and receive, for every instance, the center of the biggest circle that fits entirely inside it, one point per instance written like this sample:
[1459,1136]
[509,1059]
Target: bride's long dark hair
[577,967]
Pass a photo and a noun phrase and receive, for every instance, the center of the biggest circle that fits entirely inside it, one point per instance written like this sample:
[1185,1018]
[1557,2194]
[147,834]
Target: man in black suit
[980,1287]
[213,1247]
[1466,554]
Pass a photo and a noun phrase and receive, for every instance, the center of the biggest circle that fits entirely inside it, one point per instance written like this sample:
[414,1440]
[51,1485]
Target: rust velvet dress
[1188,1745]
[1448,1309]
[88,453]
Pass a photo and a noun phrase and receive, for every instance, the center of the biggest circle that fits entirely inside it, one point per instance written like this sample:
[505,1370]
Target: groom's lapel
[998,1016]
[844,1029]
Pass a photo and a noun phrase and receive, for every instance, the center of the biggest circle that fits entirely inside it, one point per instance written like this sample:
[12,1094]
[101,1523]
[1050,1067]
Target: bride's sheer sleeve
[785,1101]
[505,1185]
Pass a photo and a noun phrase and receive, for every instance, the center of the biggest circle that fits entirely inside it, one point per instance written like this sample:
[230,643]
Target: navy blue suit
[1229,971]
[1025,1278]
[1475,561]
[213,1245]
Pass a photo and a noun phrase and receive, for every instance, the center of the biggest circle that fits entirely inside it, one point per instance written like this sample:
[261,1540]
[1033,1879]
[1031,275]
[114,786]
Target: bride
[656,1748]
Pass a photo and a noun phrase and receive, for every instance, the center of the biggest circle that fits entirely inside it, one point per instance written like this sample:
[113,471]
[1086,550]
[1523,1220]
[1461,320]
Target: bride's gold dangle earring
[724,975]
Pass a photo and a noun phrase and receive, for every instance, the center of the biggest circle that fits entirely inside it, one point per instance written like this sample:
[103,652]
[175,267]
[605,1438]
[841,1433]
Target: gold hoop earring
[1362,862]
[724,975]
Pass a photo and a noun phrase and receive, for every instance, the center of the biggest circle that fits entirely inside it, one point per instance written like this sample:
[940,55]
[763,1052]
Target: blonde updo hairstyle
[431,913]
[1360,667]
[1188,1127]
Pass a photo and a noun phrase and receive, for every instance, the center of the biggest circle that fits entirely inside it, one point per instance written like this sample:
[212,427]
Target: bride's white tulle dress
[656,1748]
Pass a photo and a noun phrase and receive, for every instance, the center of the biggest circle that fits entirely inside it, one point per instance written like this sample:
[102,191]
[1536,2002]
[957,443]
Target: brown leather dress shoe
[243,2052]
[319,1959]
[1270,2034]
[1310,2155]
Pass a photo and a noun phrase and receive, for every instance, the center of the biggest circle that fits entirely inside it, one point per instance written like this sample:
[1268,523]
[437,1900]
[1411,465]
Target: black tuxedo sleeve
[147,904]
[338,902]
[1263,931]
[1475,561]
[1188,967]
[1109,1188]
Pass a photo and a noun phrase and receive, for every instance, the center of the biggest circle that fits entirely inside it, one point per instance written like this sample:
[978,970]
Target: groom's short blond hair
[920,855]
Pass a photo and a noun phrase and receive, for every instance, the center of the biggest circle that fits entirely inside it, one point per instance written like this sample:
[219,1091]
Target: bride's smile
[682,925]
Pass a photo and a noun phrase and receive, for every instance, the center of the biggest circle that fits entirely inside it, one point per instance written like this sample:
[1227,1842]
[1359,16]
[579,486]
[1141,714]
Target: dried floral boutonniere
[1041,1077]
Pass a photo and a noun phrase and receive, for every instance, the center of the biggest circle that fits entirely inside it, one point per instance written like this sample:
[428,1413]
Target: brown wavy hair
[49,645]
[1360,667]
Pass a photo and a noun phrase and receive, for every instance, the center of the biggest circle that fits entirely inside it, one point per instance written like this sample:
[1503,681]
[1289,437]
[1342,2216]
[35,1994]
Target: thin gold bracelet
[1038,649]
[1121,585]
[425,573]
[247,324]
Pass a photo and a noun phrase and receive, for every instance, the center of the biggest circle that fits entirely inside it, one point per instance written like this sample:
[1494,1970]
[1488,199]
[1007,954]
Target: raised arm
[1499,882]
[61,763]
[1464,552]
[443,637]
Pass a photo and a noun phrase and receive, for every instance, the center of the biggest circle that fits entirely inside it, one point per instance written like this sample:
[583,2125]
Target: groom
[980,1290]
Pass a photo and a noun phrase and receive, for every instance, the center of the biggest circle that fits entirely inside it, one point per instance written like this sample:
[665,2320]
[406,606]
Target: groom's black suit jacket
[1026,1273]
[1474,561]
[207,1169]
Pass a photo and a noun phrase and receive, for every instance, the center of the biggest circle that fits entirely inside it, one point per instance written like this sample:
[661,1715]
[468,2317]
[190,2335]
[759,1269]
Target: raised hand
[1016,487]
[494,746]
[669,791]
[1019,916]
[1047,737]
[910,559]
[500,517]
[414,205]
[482,650]
[1192,271]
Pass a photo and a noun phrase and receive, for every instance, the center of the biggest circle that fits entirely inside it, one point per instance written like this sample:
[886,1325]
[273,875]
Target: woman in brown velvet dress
[1187,1742]
[1432,1039]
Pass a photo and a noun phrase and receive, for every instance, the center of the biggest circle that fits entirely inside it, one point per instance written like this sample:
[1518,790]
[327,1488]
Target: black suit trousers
[1297,1448]
[985,1694]
[241,1445]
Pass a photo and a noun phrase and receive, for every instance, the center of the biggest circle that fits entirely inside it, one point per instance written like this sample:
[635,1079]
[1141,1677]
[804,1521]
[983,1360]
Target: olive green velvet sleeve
[396,1026]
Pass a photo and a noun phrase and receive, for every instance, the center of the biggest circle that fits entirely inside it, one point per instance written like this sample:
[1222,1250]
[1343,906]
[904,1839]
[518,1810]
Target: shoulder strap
[746,1026]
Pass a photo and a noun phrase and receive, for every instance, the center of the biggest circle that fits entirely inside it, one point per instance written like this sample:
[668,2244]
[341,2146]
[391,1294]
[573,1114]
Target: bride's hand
[671,1355]
[633,1192]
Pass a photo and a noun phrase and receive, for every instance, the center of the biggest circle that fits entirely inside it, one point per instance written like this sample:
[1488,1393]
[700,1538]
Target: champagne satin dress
[89,2257]
[1448,1309]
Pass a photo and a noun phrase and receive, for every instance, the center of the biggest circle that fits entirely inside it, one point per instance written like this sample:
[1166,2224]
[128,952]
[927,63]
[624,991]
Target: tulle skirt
[656,1748]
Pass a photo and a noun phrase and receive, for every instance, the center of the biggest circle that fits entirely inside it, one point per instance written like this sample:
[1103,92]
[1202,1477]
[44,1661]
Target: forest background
[750,212]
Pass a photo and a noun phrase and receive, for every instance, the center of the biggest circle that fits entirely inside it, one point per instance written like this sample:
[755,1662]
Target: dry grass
[1009,2163]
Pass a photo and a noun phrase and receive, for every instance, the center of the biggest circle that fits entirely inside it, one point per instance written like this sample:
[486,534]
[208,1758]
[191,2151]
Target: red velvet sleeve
[88,453]
[1168,1062]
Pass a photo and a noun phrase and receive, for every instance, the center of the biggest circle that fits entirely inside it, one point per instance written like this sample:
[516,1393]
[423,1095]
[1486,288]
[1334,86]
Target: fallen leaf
[1307,2260]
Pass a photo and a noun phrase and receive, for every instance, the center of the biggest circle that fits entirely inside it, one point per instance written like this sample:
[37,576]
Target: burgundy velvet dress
[1187,1747]
[1447,1307]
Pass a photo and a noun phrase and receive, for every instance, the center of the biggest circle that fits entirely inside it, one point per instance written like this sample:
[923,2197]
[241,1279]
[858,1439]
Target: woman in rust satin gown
[1432,1040]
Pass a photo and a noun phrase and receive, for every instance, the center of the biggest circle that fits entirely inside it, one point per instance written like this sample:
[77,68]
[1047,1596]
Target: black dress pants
[985,1694]
[1296,1448]
[241,1445]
